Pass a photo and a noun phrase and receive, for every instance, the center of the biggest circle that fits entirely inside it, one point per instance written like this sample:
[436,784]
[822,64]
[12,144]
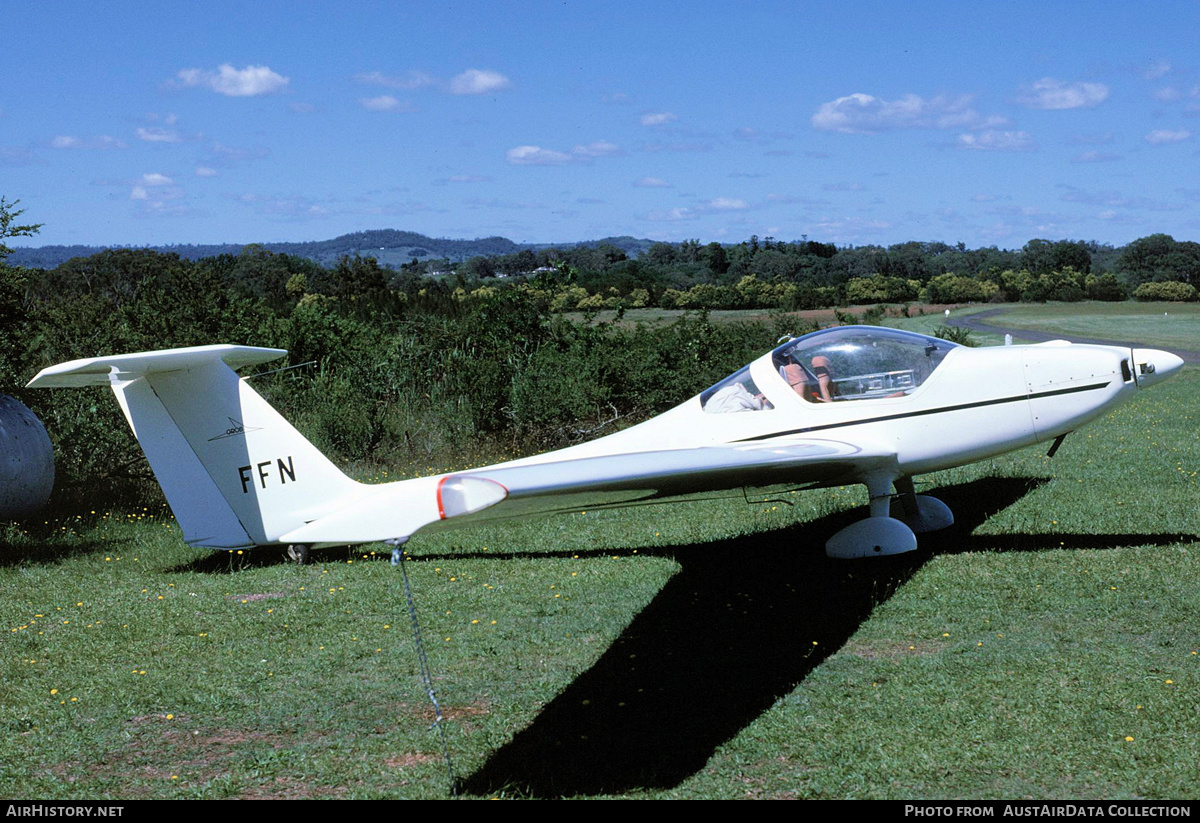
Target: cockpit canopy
[838,364]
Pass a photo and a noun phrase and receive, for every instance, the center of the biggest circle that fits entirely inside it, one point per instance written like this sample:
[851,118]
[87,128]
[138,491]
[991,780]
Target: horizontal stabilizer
[103,371]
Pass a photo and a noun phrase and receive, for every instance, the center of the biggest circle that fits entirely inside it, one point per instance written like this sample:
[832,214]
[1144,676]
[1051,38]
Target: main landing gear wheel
[298,553]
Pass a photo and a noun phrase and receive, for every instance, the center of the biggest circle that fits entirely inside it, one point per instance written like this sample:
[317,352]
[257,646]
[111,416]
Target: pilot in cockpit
[815,385]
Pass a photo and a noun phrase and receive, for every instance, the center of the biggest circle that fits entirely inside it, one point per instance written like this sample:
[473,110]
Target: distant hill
[390,247]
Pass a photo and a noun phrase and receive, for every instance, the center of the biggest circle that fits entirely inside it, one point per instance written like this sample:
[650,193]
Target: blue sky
[986,123]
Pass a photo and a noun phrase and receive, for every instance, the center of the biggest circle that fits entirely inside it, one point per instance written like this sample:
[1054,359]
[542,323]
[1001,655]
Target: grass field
[1046,646]
[1169,325]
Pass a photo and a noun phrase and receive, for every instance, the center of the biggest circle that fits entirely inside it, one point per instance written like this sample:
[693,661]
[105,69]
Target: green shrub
[1170,290]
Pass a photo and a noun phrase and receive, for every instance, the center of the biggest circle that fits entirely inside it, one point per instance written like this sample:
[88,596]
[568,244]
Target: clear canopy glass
[838,364]
[858,362]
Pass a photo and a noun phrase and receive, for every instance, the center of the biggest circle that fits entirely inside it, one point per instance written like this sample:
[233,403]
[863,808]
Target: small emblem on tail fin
[235,428]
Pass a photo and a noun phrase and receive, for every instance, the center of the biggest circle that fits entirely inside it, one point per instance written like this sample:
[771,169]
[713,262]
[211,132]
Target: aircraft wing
[530,489]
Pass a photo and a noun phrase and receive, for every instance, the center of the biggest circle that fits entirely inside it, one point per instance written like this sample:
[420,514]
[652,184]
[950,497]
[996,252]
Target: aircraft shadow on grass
[727,636]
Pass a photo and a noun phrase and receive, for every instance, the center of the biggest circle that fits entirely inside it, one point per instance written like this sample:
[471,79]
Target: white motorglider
[852,404]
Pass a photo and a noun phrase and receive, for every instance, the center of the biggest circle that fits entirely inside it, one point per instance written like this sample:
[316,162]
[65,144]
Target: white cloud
[467,178]
[66,141]
[288,207]
[842,187]
[673,215]
[865,114]
[597,148]
[851,229]
[1115,199]
[1049,93]
[409,81]
[652,183]
[727,204]
[1161,136]
[385,102]
[16,156]
[658,118]
[471,81]
[536,156]
[223,156]
[251,81]
[1018,211]
[157,135]
[154,190]
[476,81]
[1156,70]
[997,141]
[205,171]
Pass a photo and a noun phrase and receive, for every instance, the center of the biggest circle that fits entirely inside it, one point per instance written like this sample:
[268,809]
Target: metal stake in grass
[398,558]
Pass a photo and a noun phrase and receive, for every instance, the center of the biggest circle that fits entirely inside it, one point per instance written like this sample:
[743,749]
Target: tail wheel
[298,553]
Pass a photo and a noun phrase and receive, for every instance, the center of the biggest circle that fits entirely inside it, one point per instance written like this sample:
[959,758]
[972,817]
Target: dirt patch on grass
[410,760]
[460,712]
[179,755]
[291,788]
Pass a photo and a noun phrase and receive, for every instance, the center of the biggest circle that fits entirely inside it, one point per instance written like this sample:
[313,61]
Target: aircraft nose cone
[1153,366]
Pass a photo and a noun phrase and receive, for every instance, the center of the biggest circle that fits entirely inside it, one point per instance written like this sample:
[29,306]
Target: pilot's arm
[824,378]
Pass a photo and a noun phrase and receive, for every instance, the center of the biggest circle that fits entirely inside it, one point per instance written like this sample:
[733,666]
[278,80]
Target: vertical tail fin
[235,472]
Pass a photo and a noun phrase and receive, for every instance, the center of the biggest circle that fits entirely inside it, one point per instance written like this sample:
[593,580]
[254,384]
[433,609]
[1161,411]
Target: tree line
[405,377]
[413,368]
[801,275]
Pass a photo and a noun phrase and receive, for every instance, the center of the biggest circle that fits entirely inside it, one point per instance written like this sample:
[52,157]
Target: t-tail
[234,471]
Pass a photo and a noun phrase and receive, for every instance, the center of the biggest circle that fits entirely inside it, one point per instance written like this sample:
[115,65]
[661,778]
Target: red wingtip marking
[441,511]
